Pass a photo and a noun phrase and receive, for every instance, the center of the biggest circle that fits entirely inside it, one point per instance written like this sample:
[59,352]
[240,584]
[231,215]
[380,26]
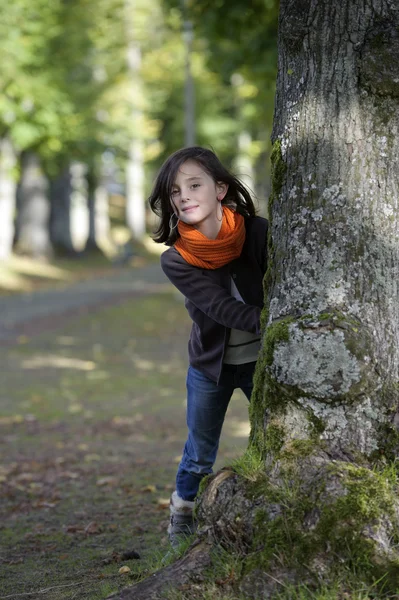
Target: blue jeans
[207,403]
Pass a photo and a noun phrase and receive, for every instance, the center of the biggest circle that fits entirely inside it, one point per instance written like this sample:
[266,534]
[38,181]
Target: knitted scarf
[200,251]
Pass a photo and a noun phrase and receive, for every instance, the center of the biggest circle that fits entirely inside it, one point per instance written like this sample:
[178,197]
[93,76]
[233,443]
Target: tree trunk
[135,197]
[33,237]
[331,351]
[99,223]
[7,197]
[314,500]
[69,224]
[135,201]
[60,221]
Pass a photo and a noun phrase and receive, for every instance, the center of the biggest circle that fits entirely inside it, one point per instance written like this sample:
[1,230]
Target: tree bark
[32,228]
[332,292]
[314,500]
[7,197]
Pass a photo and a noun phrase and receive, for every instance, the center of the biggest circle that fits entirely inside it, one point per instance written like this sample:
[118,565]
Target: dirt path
[92,392]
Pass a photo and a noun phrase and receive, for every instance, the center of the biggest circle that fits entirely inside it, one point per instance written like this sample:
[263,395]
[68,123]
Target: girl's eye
[195,185]
[174,192]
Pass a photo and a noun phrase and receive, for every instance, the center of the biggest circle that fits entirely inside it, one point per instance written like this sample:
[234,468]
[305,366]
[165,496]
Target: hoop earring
[172,227]
[221,218]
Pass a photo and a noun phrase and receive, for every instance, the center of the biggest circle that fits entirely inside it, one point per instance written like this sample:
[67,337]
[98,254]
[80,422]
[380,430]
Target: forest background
[96,95]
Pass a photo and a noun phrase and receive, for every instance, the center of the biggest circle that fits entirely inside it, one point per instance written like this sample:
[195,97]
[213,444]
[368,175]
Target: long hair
[237,195]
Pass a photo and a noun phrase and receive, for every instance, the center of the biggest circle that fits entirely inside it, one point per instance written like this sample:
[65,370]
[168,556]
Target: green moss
[275,333]
[340,523]
[274,438]
[389,444]
[317,424]
[268,394]
[204,484]
[278,173]
[298,449]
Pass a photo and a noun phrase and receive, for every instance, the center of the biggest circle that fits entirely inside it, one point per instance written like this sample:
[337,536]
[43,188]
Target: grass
[91,429]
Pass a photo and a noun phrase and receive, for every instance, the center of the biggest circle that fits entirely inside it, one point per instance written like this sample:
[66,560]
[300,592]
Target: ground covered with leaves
[91,430]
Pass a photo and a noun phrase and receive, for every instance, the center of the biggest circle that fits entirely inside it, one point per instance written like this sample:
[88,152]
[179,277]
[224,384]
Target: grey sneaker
[181,519]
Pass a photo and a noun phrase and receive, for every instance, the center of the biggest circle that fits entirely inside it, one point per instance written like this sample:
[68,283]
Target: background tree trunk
[69,223]
[99,223]
[7,197]
[314,500]
[135,198]
[60,221]
[32,227]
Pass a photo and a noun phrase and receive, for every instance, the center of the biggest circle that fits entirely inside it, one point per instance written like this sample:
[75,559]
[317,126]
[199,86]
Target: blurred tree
[28,98]
[60,61]
[241,42]
[164,79]
[7,196]
[33,208]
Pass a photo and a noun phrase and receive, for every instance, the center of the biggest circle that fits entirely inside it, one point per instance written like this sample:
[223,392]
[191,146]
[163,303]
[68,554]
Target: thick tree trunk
[331,351]
[32,228]
[7,197]
[314,500]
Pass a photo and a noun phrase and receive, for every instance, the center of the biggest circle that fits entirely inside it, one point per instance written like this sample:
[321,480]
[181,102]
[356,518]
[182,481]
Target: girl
[217,260]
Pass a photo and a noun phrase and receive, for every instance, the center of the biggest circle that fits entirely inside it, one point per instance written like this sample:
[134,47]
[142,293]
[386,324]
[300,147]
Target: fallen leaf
[123,570]
[163,503]
[149,488]
[92,528]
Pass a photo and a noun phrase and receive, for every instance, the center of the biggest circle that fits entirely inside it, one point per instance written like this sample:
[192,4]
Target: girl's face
[196,198]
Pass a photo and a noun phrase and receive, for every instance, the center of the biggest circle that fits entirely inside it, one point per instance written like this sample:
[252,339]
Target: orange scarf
[200,251]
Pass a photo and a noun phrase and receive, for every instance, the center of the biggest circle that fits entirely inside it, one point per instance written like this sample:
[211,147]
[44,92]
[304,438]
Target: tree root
[185,571]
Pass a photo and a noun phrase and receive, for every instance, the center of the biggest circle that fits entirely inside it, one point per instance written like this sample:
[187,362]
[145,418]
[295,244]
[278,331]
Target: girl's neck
[209,229]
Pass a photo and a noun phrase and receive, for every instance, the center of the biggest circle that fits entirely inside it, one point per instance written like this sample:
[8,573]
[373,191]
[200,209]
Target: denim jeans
[207,403]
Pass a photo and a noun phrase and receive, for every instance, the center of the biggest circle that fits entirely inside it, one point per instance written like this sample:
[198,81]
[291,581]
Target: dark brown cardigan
[209,302]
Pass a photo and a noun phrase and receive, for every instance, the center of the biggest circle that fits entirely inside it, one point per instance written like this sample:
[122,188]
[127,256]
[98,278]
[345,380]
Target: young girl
[217,260]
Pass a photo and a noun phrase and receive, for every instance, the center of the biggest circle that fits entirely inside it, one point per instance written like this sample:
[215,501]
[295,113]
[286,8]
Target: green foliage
[60,60]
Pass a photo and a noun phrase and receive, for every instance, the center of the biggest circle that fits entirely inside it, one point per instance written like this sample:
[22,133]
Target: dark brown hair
[237,195]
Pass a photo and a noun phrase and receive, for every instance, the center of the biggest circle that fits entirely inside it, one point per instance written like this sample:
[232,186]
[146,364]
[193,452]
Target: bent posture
[217,260]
